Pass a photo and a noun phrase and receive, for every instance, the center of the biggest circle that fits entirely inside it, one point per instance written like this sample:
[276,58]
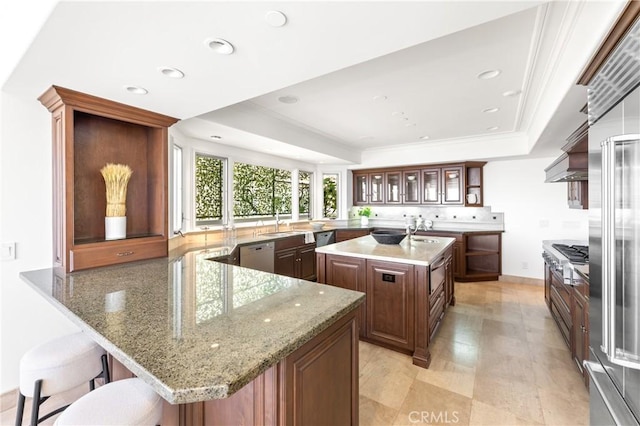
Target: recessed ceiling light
[424,138]
[492,128]
[486,75]
[171,72]
[219,45]
[275,18]
[511,93]
[490,110]
[288,99]
[409,124]
[217,137]
[136,90]
[379,98]
[397,113]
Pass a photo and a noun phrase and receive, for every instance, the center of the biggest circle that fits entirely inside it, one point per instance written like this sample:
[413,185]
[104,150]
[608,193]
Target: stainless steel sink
[281,233]
[425,240]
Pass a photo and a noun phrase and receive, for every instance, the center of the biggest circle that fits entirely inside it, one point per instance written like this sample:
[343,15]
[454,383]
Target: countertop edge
[181,396]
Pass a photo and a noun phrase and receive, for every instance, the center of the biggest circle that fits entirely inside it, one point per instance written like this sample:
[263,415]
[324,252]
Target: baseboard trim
[521,280]
[9,399]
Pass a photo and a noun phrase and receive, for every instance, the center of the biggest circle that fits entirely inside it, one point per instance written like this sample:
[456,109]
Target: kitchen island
[220,343]
[408,288]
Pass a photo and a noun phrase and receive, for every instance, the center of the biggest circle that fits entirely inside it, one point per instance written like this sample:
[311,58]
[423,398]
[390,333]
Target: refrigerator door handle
[616,355]
[607,234]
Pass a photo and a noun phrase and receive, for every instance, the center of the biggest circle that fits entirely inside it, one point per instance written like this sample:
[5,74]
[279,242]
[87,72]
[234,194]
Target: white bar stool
[123,402]
[58,366]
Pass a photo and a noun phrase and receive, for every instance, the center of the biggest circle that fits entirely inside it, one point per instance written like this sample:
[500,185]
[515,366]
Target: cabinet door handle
[124,253]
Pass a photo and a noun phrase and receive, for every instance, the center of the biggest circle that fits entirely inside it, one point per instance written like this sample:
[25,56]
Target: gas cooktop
[576,254]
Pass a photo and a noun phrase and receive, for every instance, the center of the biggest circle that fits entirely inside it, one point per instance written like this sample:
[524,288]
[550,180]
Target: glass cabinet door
[431,186]
[377,188]
[452,185]
[361,191]
[411,187]
[393,187]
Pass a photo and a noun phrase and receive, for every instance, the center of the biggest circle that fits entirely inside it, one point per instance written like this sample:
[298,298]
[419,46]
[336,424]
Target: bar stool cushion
[62,364]
[123,402]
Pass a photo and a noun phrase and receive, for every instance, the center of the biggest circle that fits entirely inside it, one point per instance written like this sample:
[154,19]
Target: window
[177,208]
[260,191]
[304,193]
[209,189]
[330,196]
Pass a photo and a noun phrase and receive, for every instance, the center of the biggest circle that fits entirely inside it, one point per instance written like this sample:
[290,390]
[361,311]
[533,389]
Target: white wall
[25,217]
[533,211]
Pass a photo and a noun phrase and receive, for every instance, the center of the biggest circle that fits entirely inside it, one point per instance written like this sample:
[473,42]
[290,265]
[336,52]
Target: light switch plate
[8,251]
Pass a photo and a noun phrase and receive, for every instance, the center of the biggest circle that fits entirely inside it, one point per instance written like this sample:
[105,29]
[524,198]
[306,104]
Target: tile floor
[498,359]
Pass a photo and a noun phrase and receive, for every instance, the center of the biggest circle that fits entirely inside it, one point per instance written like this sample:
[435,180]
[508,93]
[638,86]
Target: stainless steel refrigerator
[614,254]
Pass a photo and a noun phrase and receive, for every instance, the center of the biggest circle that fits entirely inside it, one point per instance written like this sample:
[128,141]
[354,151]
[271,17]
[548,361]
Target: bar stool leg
[35,410]
[106,375]
[20,409]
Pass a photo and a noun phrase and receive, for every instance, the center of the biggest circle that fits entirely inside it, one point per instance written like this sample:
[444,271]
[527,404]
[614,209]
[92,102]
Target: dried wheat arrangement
[116,177]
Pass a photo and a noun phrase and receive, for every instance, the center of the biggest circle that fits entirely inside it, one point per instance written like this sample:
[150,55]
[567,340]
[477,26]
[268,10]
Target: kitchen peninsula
[220,343]
[408,288]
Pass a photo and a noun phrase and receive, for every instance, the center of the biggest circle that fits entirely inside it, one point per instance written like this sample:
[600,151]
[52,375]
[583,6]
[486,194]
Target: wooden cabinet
[450,298]
[569,307]
[561,305]
[443,185]
[89,132]
[316,384]
[294,258]
[405,303]
[411,182]
[368,188]
[483,256]
[475,256]
[345,272]
[349,234]
[389,304]
[393,187]
[436,184]
[580,317]
[437,294]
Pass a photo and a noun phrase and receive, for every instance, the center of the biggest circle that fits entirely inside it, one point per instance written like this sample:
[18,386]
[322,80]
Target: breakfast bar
[220,343]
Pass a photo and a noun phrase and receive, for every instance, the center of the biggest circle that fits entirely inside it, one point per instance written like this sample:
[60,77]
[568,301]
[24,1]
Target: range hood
[568,167]
[573,164]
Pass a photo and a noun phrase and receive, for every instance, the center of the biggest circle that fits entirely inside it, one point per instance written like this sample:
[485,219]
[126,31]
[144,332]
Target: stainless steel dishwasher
[258,256]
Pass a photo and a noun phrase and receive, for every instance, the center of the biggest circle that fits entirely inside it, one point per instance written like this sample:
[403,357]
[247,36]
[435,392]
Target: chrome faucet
[278,222]
[256,231]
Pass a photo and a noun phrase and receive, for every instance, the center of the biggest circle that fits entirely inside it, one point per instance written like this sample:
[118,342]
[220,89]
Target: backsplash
[443,217]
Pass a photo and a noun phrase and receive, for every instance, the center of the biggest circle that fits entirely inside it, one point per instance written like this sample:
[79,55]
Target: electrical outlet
[525,265]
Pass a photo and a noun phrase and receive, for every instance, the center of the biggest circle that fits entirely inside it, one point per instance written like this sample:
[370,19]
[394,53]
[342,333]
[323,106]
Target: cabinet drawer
[108,254]
[563,326]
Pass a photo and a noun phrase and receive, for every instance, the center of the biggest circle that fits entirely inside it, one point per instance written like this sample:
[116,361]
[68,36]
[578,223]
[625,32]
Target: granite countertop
[414,251]
[192,328]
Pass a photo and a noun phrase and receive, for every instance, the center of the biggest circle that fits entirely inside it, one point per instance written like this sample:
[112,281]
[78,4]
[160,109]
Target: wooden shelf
[88,133]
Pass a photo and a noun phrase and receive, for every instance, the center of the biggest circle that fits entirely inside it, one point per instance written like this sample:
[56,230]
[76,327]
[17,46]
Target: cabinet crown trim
[56,97]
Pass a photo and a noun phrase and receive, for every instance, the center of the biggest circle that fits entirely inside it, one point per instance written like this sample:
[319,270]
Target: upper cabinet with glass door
[431,184]
[368,188]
